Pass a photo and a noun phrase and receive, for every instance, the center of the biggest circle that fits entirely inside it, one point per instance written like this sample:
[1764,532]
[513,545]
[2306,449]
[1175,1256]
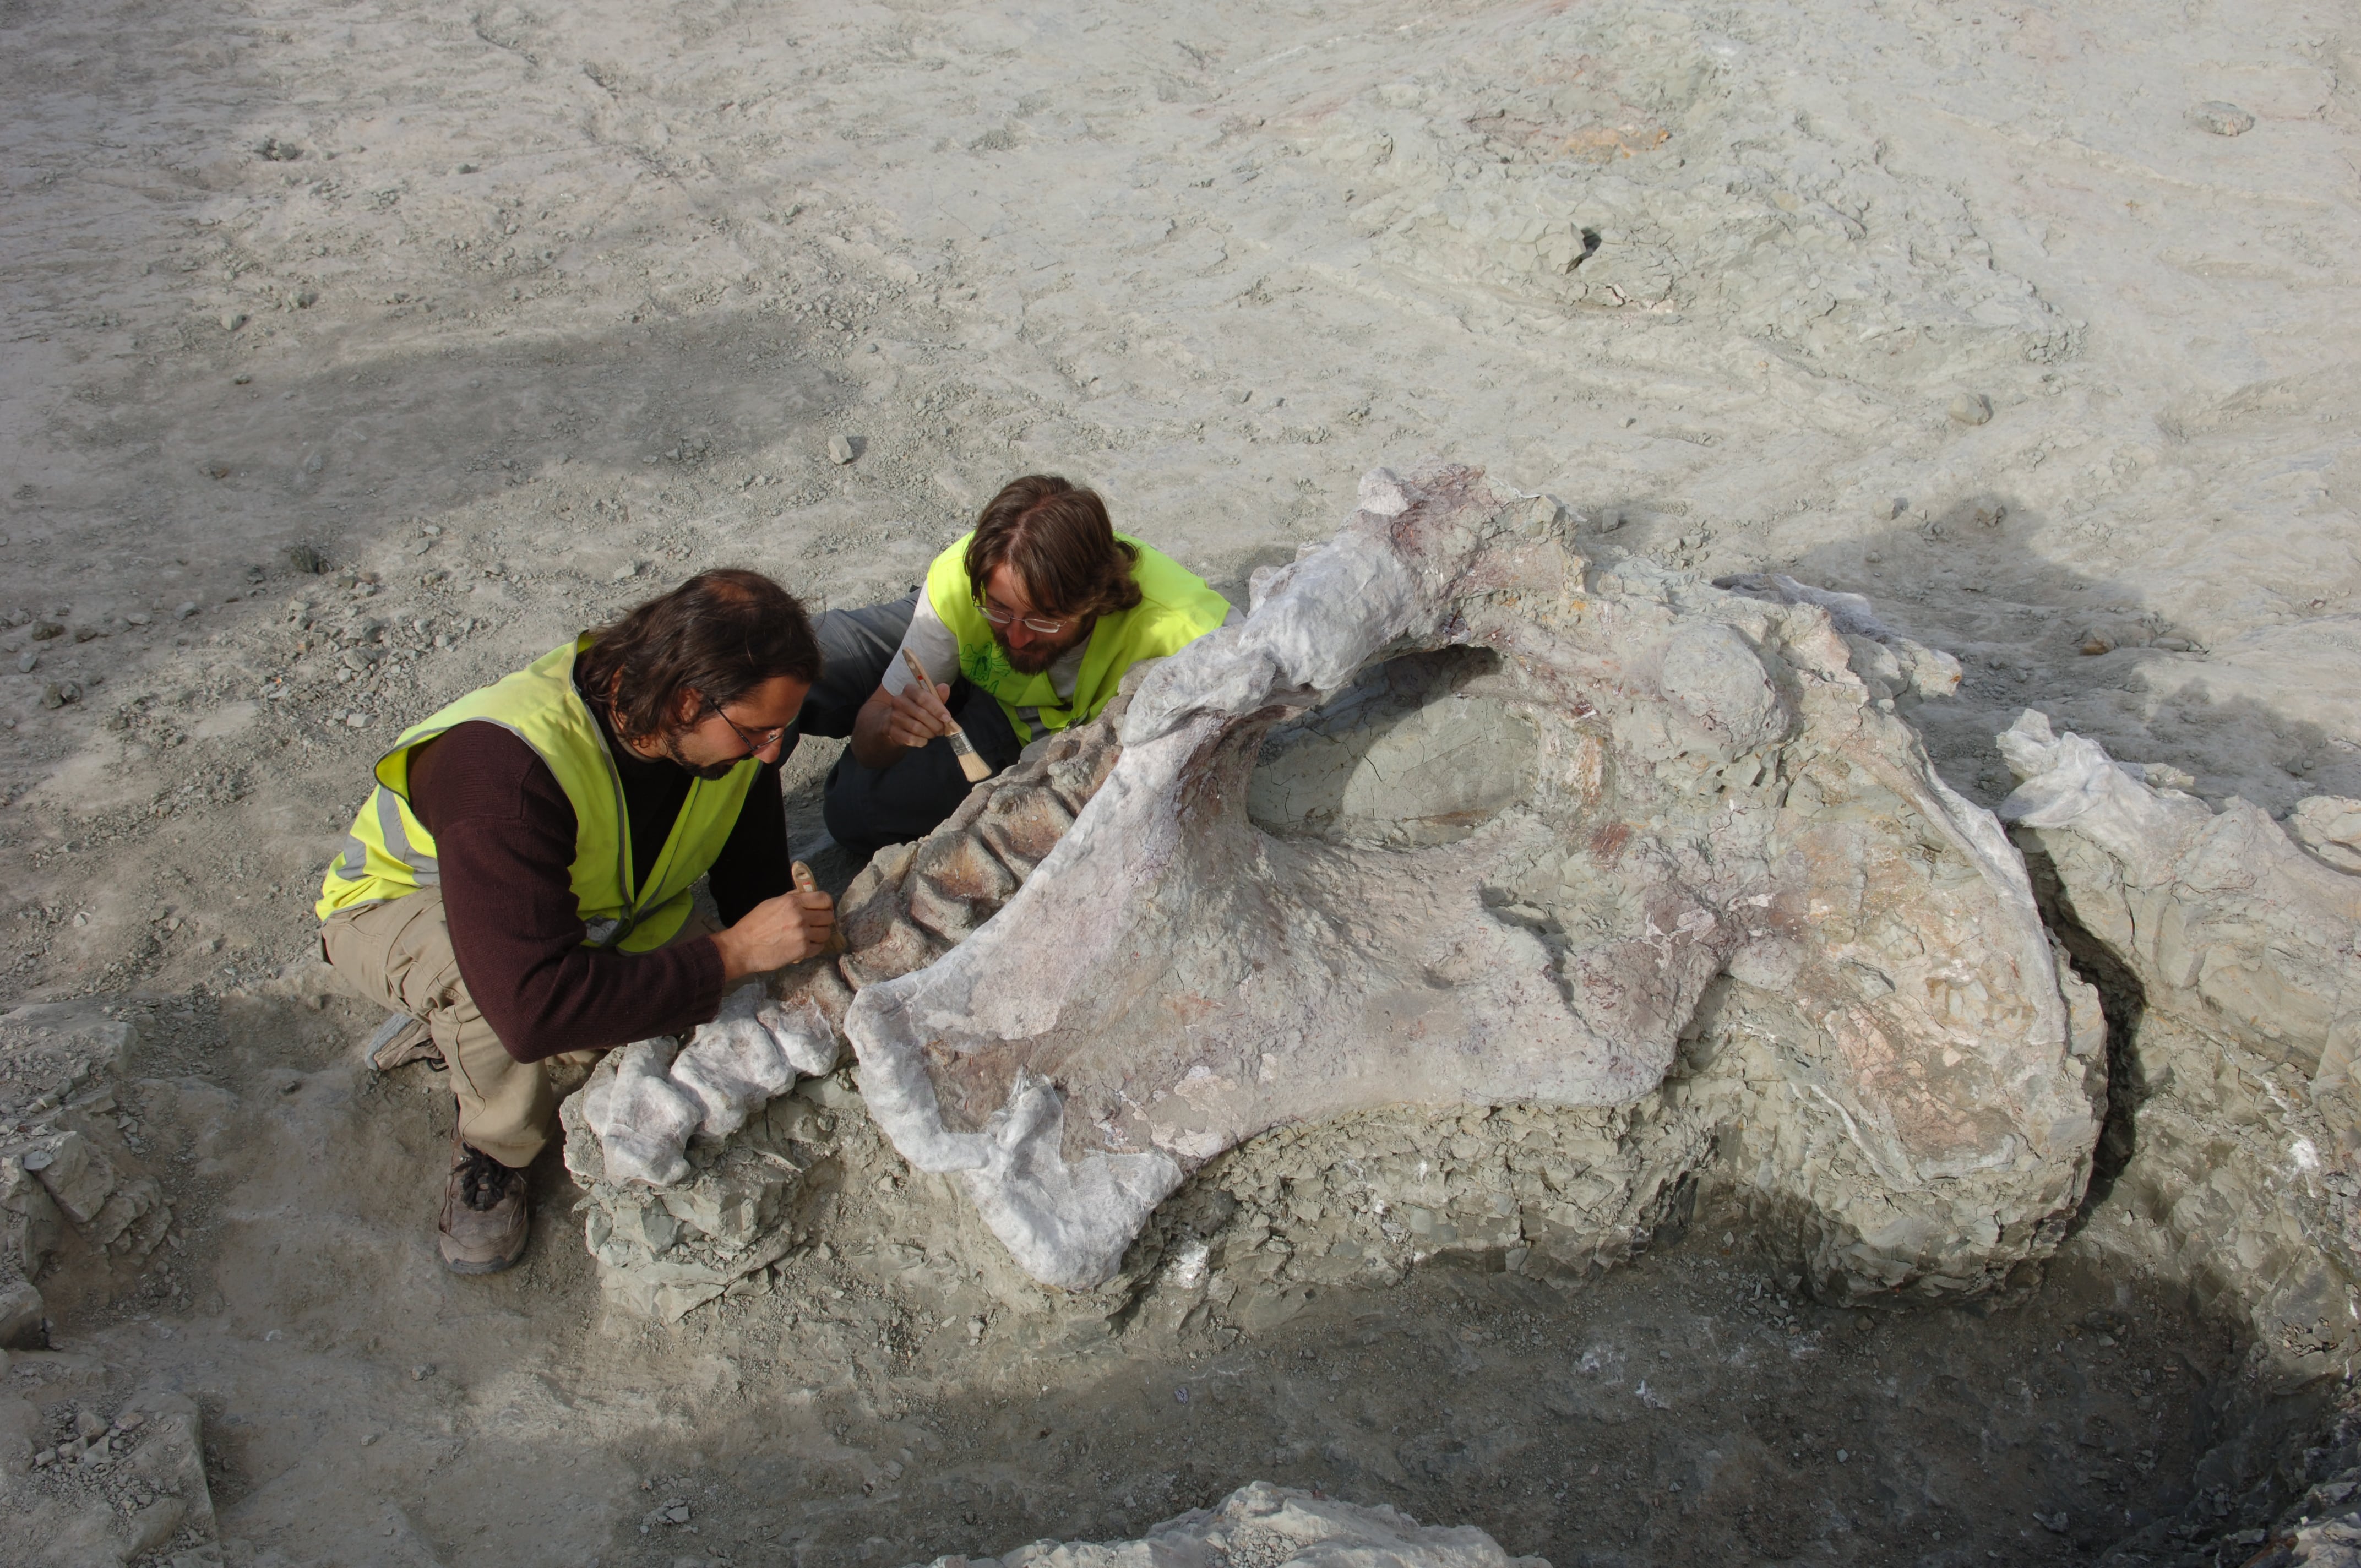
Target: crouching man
[1024,626]
[517,887]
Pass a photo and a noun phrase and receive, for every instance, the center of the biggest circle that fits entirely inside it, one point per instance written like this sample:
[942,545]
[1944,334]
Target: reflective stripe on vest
[1175,608]
[389,853]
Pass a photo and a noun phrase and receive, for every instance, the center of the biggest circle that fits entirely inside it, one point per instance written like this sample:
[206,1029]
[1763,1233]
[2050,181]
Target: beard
[1031,661]
[711,772]
[1034,660]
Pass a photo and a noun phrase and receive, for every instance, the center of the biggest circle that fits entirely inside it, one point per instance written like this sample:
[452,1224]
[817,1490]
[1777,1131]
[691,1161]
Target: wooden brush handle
[806,882]
[971,762]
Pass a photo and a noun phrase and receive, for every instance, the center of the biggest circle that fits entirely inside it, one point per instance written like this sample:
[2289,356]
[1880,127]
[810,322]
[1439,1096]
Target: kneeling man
[1024,626]
[518,885]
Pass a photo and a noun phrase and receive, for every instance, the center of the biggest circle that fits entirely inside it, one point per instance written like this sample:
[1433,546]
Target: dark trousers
[867,808]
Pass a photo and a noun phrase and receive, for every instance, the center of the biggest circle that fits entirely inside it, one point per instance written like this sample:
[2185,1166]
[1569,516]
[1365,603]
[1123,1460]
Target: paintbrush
[976,769]
[806,882]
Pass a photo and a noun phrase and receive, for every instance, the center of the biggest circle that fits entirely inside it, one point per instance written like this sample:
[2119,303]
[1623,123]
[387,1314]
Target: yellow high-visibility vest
[1175,608]
[389,853]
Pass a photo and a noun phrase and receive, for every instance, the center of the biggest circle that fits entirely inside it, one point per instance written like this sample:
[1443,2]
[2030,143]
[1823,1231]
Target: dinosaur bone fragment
[1457,816]
[2229,925]
[656,1100]
[1280,1527]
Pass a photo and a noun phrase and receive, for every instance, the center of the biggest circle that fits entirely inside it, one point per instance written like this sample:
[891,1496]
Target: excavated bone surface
[743,1203]
[2232,941]
[1263,1526]
[1458,817]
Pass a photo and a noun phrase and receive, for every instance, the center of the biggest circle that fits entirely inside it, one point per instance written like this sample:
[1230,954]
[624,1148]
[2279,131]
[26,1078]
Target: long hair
[1055,537]
[719,634]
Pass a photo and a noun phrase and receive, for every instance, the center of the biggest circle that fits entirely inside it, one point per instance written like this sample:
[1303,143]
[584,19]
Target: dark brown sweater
[504,835]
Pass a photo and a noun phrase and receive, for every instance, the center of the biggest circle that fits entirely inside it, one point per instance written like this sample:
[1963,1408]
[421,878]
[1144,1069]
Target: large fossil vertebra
[1458,816]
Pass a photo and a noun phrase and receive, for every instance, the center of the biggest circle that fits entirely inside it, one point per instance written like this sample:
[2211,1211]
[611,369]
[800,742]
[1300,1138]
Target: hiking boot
[486,1213]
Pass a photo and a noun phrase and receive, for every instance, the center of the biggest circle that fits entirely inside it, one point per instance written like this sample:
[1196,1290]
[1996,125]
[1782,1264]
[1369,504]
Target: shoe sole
[497,1266]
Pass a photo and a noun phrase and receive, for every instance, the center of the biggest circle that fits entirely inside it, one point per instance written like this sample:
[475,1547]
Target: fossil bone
[1521,817]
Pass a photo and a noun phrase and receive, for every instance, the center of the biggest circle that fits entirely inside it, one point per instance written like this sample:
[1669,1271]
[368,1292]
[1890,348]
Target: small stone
[305,559]
[84,633]
[232,320]
[290,1084]
[1972,407]
[28,662]
[185,608]
[88,1426]
[241,380]
[138,618]
[2097,643]
[213,468]
[627,571]
[2222,119]
[357,720]
[45,630]
[840,449]
[306,298]
[420,1372]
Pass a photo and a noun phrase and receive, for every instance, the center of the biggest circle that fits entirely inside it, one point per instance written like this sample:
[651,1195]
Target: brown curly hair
[1055,536]
[719,634]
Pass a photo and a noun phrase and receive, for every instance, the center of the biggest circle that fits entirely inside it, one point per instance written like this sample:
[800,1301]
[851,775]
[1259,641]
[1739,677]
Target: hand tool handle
[806,882]
[976,769]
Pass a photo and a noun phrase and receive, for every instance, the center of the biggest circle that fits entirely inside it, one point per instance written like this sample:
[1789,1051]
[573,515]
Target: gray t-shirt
[938,650]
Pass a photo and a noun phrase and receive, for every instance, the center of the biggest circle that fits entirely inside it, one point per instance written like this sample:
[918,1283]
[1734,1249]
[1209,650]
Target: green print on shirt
[987,666]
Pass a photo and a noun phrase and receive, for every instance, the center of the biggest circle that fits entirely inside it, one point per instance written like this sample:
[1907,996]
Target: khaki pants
[398,954]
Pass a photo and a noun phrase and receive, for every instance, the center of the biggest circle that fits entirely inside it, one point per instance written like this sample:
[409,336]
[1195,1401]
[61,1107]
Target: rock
[28,662]
[305,559]
[2222,119]
[840,449]
[1972,407]
[232,320]
[2328,827]
[1270,1527]
[627,571]
[79,1179]
[184,610]
[45,630]
[22,1320]
[213,468]
[2228,923]
[87,633]
[731,1211]
[1174,977]
[2094,644]
[2235,945]
[159,1475]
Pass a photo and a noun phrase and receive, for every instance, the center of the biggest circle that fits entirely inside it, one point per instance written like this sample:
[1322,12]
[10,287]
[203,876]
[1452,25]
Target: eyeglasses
[1032,623]
[757,740]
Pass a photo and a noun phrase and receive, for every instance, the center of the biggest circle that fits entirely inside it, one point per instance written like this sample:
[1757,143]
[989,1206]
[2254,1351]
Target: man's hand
[890,723]
[775,933]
